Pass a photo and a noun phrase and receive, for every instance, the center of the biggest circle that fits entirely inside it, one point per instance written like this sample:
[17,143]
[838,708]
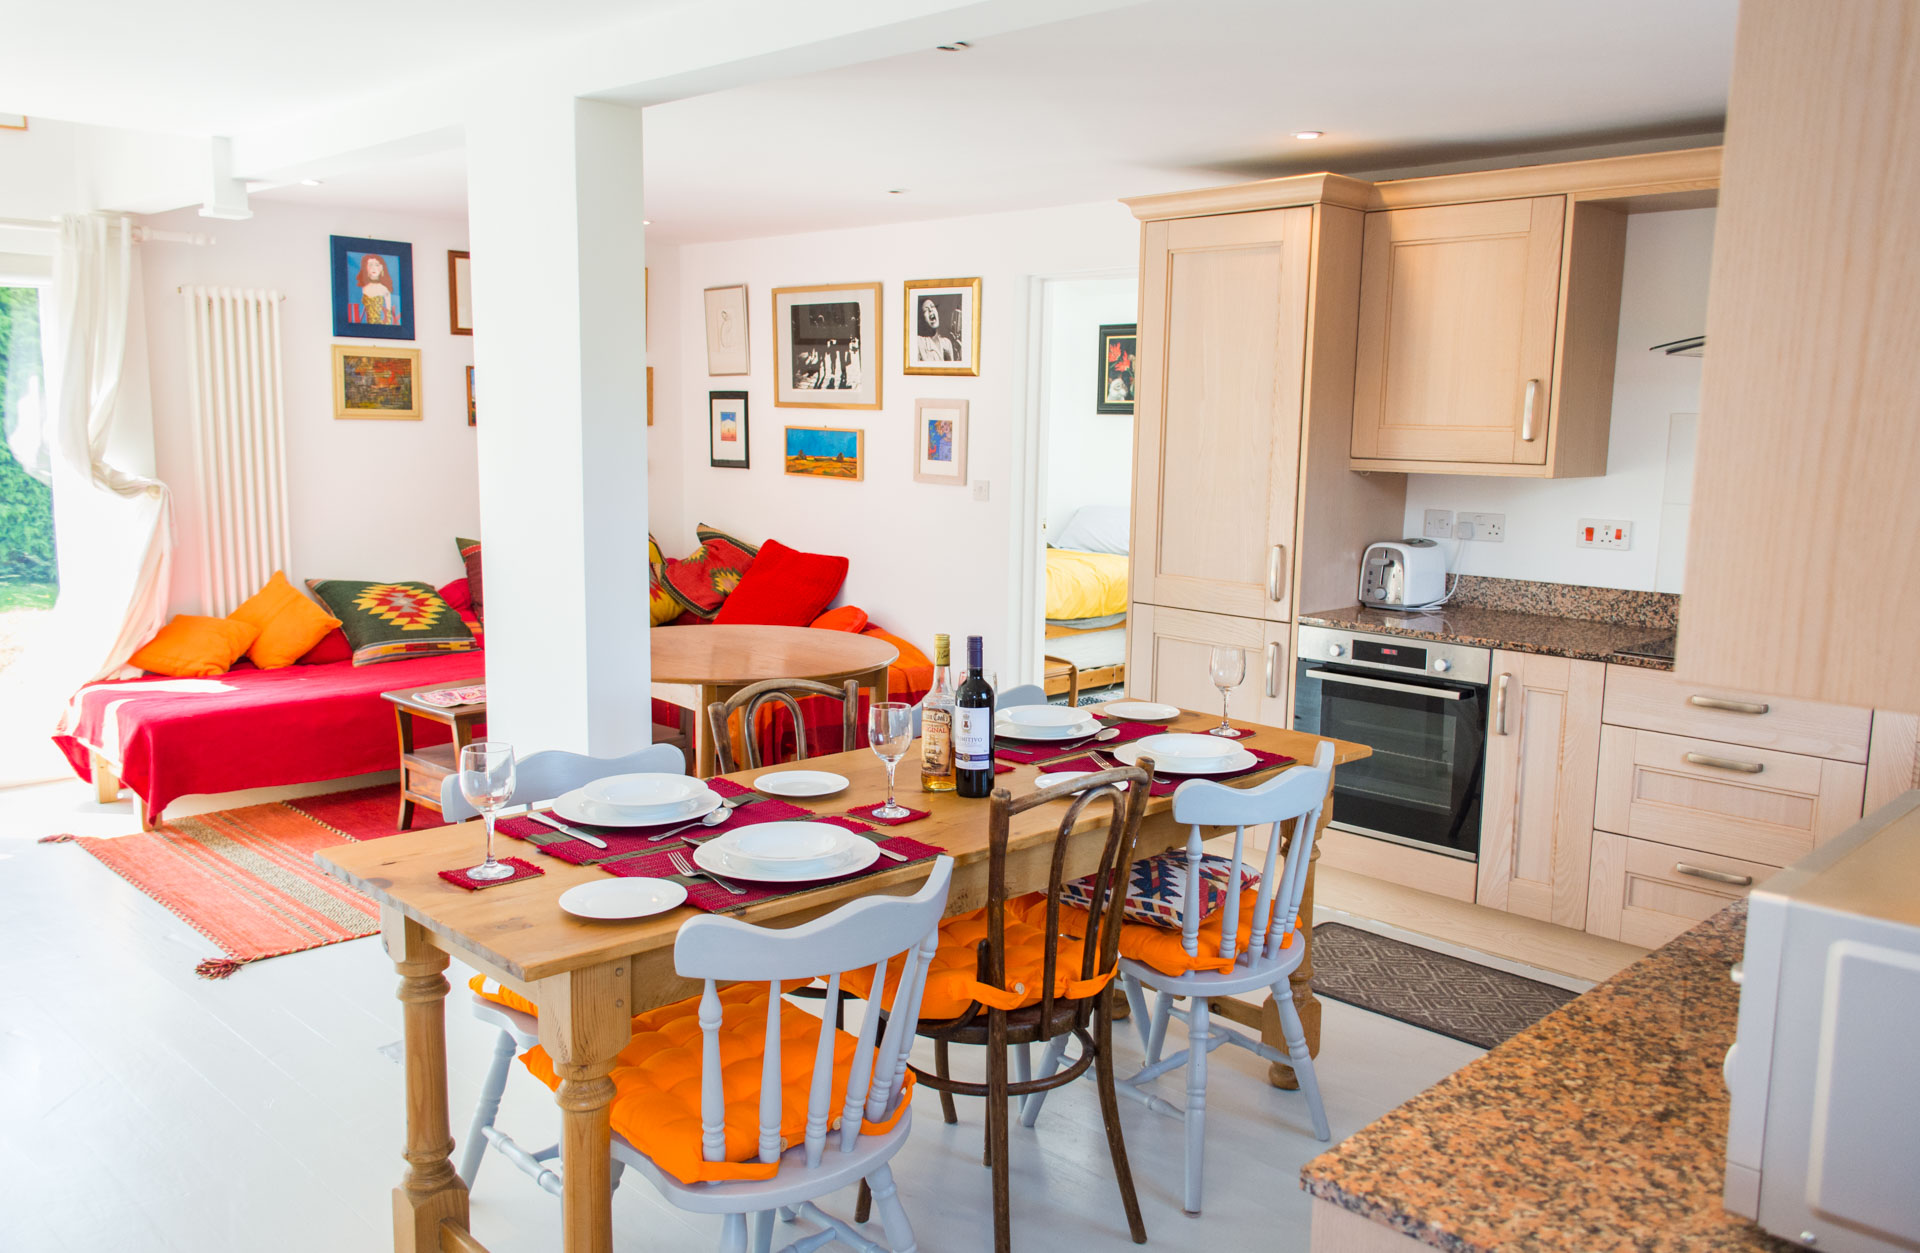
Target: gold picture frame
[824,452]
[364,389]
[941,334]
[839,359]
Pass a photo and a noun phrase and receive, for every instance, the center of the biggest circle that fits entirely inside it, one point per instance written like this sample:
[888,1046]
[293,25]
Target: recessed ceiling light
[1308,134]
[646,221]
[958,45]
[309,182]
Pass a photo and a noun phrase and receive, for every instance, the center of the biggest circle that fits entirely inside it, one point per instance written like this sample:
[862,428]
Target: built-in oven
[1421,706]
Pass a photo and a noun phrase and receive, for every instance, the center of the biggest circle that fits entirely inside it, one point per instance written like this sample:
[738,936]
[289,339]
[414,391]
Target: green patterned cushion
[392,621]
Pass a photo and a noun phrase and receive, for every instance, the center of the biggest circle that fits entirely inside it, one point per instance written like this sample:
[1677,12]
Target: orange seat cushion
[1161,947]
[192,647]
[288,623]
[951,983]
[491,990]
[656,1080]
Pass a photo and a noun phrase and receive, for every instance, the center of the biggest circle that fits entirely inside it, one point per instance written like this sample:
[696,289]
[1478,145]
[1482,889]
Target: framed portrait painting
[374,382]
[826,343]
[727,430]
[471,412]
[459,292]
[727,330]
[1117,367]
[940,442]
[372,288]
[824,452]
[943,326]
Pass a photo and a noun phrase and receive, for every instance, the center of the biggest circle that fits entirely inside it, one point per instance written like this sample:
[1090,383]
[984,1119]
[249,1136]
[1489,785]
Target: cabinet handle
[1500,705]
[1273,668]
[1725,763]
[1727,706]
[1276,557]
[1718,876]
[1526,412]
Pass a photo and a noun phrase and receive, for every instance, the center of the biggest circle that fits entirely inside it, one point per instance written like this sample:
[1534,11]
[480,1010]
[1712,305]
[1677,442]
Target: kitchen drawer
[1644,893]
[1755,804]
[1656,701]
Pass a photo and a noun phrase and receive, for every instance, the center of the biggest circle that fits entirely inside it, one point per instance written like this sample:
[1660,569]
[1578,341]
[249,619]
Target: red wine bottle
[973,729]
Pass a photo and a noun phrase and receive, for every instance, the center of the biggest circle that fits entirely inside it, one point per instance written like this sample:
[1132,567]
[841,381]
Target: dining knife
[564,829]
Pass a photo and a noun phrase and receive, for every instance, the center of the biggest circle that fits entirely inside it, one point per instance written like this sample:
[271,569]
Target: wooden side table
[423,769]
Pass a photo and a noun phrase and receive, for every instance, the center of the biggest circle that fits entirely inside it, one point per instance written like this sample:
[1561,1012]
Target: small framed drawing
[727,330]
[1117,367]
[374,382]
[727,429]
[649,395]
[372,288]
[940,439]
[470,408]
[943,326]
[825,452]
[460,292]
[826,343]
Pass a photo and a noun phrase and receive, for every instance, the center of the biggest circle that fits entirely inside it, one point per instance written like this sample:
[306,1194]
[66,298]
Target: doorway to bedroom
[1085,483]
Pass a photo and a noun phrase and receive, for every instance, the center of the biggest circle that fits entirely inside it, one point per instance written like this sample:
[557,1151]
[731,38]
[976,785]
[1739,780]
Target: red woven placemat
[703,894]
[521,870]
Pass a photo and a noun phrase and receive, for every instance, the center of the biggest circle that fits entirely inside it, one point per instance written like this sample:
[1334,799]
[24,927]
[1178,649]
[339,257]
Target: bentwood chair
[785,693]
[1227,954]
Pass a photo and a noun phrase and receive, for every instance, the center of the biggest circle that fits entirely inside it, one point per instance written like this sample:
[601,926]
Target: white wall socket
[1603,533]
[982,489]
[1489,528]
[1439,524]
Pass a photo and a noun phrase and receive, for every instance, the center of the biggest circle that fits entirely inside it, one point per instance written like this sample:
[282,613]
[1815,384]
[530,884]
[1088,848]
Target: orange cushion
[850,618]
[192,647]
[911,673]
[1161,947]
[951,983]
[492,990]
[656,1080]
[288,623]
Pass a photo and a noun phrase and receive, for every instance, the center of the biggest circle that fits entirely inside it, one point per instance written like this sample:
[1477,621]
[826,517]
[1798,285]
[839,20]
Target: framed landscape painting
[727,330]
[826,346]
[824,452]
[940,439]
[373,382]
[459,292]
[1117,367]
[943,326]
[727,429]
[372,288]
[471,412]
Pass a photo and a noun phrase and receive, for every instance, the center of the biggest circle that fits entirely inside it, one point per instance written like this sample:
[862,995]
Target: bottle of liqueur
[936,726]
[973,728]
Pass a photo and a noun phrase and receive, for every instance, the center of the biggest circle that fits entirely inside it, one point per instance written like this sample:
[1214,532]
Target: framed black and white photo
[943,326]
[1117,370]
[727,329]
[727,429]
[826,346]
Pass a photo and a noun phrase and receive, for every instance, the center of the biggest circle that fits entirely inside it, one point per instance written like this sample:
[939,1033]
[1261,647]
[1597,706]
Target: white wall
[1664,298]
[1089,454]
[367,499]
[925,558]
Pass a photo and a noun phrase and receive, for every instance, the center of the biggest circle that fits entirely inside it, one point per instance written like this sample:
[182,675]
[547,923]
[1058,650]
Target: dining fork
[691,871]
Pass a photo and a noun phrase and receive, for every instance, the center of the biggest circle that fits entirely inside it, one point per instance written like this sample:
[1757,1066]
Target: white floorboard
[144,1108]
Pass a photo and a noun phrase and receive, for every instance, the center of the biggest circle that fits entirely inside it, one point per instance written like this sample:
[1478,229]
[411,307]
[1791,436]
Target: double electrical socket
[1486,527]
[1603,533]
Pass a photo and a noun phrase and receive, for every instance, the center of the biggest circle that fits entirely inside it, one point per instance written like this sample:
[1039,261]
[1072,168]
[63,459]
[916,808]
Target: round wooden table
[694,666]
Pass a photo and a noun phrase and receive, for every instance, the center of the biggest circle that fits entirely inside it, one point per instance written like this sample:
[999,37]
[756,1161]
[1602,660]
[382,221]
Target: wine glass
[1228,667]
[486,780]
[889,731]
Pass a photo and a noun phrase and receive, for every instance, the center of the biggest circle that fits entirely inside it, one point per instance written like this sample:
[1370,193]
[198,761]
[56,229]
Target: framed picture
[13,121]
[1117,367]
[649,395]
[460,292]
[827,346]
[470,409]
[374,382]
[940,442]
[727,330]
[372,288]
[826,452]
[943,326]
[727,429]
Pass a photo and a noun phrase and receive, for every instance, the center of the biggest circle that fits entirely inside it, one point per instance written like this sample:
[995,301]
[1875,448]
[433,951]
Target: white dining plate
[643,793]
[1189,747]
[623,898]
[1044,716]
[578,807]
[1140,711]
[1065,776]
[788,841]
[802,783]
[1066,731]
[723,855]
[1240,760]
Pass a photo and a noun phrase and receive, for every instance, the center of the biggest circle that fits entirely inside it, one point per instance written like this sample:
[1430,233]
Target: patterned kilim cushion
[661,608]
[389,621]
[1159,888]
[707,576]
[470,554]
[705,533]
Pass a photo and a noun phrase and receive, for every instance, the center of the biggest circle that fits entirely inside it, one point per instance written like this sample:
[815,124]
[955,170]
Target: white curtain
[113,524]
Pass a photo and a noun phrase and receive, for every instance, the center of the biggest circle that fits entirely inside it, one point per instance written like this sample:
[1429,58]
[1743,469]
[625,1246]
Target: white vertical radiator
[235,395]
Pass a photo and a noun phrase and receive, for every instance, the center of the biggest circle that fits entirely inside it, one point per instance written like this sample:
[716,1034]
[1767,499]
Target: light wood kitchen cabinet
[1646,893]
[1654,700]
[1543,750]
[1167,661]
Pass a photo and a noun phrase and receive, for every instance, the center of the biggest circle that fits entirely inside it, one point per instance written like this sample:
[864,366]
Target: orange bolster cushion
[656,1080]
[951,982]
[192,647]
[288,623]
[1160,947]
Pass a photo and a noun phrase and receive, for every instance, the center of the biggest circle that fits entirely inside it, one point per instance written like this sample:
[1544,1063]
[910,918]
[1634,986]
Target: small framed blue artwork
[372,288]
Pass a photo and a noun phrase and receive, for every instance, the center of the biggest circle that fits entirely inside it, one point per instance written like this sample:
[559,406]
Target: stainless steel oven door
[1422,785]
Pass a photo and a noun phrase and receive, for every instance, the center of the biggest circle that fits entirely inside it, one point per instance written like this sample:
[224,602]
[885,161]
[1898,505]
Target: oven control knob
[1442,665]
[1336,650]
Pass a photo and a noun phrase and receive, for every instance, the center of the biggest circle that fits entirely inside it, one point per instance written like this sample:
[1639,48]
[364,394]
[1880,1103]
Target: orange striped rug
[246,879]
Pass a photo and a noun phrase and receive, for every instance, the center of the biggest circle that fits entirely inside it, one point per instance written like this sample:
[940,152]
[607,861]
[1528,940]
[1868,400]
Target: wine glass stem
[1226,697]
[890,768]
[487,817]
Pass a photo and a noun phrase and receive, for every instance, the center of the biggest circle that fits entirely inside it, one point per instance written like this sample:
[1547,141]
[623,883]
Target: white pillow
[1095,529]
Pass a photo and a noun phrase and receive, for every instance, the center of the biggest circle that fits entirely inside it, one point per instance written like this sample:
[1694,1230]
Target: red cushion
[458,594]
[784,587]
[332,647]
[849,618]
[707,576]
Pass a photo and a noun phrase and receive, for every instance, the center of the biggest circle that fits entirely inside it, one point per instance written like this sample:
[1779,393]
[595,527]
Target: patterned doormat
[246,879]
[1443,994]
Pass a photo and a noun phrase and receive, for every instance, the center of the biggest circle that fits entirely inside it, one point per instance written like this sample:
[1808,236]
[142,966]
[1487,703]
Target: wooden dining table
[589,978]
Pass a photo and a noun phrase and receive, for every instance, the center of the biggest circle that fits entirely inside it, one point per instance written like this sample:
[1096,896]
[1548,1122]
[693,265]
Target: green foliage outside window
[28,573]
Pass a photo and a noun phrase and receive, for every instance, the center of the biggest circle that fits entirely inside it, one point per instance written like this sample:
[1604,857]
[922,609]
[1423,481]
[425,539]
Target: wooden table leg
[431,1192]
[703,734]
[106,784]
[405,724]
[1301,980]
[584,1023]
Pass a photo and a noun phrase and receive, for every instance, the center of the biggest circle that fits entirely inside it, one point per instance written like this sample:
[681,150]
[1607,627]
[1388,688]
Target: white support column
[559,268]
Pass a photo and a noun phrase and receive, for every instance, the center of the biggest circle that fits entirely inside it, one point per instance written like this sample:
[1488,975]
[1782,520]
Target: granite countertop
[1602,1126]
[1502,628]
